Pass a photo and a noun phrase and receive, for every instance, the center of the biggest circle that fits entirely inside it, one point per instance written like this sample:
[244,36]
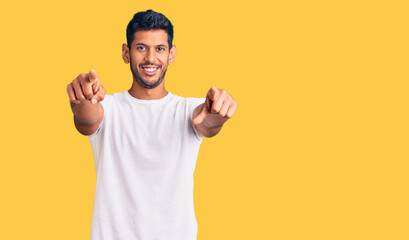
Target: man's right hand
[84,92]
[86,86]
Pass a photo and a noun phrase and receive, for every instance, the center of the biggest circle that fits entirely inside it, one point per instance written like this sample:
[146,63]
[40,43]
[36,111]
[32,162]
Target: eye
[140,47]
[160,49]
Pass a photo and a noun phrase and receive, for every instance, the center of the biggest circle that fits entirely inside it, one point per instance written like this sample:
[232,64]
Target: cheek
[165,60]
[134,63]
[135,58]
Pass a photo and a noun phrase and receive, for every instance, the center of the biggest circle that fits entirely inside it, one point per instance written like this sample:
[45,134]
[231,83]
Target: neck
[139,92]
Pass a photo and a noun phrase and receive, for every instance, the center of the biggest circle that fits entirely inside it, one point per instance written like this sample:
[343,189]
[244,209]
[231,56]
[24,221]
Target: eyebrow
[160,45]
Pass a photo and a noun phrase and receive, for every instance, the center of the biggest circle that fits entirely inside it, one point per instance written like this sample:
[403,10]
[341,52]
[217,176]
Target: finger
[218,102]
[95,87]
[77,89]
[93,77]
[212,93]
[99,96]
[71,94]
[94,80]
[202,115]
[232,109]
[225,107]
[85,85]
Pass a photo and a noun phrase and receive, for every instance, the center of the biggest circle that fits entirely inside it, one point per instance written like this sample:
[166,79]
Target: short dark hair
[149,20]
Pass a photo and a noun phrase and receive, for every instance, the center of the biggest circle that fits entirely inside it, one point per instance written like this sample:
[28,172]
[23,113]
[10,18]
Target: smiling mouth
[149,70]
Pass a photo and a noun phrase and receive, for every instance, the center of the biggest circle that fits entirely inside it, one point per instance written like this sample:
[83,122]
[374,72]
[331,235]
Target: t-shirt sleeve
[106,103]
[193,103]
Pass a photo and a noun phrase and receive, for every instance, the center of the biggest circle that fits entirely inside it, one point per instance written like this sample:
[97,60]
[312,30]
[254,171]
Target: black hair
[149,20]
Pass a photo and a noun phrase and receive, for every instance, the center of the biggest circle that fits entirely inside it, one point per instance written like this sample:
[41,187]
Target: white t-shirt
[145,155]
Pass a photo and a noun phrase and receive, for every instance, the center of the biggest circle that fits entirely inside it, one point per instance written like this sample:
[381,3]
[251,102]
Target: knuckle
[82,77]
[81,97]
[99,93]
[85,88]
[76,83]
[88,95]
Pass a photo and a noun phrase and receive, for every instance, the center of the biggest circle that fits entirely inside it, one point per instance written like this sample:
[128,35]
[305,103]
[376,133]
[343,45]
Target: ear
[172,55]
[125,53]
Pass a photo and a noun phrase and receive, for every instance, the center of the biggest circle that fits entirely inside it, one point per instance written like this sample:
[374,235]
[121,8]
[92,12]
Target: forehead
[151,37]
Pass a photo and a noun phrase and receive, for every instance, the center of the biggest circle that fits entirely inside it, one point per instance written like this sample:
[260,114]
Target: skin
[149,49]
[209,117]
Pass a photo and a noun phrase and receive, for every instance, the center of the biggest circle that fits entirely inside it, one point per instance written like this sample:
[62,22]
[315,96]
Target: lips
[149,70]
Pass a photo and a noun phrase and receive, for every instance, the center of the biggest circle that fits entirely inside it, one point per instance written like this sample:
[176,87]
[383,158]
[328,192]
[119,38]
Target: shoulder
[193,102]
[189,100]
[115,97]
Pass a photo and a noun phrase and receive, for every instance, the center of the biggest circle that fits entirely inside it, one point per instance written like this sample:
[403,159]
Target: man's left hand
[217,109]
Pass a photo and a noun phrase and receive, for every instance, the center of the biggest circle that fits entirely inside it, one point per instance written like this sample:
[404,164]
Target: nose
[150,56]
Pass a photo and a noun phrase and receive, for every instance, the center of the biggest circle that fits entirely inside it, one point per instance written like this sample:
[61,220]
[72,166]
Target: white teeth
[150,69]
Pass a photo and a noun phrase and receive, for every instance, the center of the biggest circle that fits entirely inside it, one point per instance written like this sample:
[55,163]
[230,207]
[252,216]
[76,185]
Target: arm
[209,117]
[87,116]
[84,93]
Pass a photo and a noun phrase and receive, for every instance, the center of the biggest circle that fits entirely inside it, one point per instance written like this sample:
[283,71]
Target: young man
[145,140]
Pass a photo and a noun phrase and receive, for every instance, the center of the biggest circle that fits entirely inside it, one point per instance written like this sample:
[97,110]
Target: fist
[218,108]
[86,86]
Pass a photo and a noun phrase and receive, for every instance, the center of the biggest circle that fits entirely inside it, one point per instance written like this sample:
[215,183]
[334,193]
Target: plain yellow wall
[317,149]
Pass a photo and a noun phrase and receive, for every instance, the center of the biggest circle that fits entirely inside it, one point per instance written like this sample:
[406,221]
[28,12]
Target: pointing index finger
[93,76]
[211,94]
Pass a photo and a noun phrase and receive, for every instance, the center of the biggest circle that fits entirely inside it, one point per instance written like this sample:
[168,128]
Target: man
[145,141]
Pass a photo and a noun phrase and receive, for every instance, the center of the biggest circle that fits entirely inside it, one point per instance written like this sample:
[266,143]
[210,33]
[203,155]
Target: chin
[148,84]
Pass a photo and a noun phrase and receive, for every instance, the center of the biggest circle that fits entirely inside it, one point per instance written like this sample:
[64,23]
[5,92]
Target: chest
[150,132]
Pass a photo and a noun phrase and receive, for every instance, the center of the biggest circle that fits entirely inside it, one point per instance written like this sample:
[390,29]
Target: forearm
[211,125]
[86,113]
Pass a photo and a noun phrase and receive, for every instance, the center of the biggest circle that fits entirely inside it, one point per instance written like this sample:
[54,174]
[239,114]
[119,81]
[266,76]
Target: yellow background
[318,147]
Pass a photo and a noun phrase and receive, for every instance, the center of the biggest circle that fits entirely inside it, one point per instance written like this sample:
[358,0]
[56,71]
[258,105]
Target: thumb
[202,114]
[99,96]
